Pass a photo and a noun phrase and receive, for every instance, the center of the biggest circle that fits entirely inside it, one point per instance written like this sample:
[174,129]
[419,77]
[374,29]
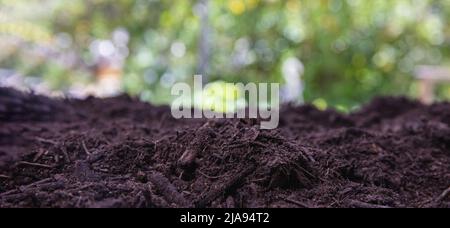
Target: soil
[120,152]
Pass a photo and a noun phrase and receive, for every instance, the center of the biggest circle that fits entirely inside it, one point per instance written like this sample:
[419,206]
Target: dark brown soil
[120,152]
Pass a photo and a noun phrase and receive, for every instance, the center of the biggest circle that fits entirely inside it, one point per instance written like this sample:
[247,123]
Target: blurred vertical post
[292,71]
[428,77]
[204,42]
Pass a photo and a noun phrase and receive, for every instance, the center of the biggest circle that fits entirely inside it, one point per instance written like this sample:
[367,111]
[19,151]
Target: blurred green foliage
[352,50]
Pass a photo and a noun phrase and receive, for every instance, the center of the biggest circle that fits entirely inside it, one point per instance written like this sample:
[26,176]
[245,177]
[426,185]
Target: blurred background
[333,53]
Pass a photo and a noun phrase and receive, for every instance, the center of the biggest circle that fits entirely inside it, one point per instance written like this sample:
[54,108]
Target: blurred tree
[351,49]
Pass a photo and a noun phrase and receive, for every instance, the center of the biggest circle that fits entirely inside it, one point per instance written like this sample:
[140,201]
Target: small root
[212,177]
[442,196]
[85,148]
[298,203]
[359,204]
[224,188]
[35,164]
[48,141]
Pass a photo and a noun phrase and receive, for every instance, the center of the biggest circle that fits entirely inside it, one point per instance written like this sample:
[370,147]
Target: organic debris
[119,152]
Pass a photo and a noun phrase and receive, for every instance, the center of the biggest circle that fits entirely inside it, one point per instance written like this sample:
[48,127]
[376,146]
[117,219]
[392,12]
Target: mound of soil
[120,152]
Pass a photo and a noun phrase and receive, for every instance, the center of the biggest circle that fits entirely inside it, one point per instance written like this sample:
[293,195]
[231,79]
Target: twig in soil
[310,157]
[202,136]
[5,176]
[15,191]
[223,189]
[85,148]
[237,145]
[298,203]
[106,141]
[444,194]
[38,155]
[102,170]
[94,157]
[25,191]
[308,173]
[260,144]
[167,189]
[16,196]
[212,177]
[359,204]
[43,181]
[35,164]
[49,141]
